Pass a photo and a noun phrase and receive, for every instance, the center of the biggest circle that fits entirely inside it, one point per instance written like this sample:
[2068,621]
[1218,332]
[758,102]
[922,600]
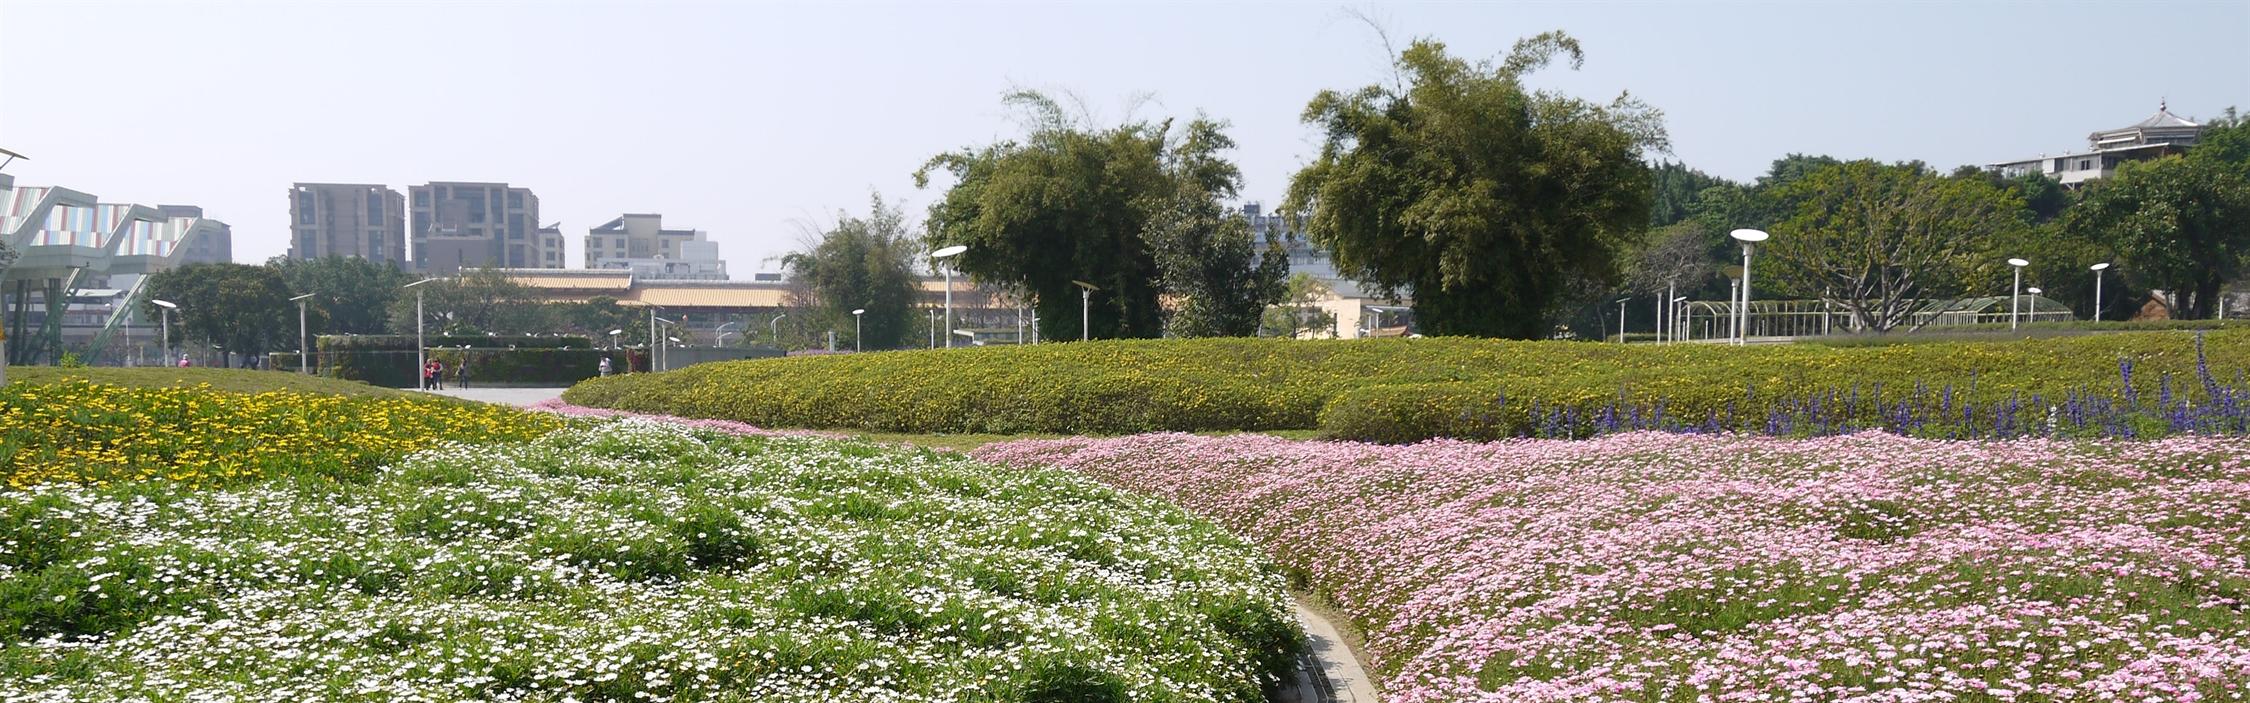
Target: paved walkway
[1328,673]
[503,396]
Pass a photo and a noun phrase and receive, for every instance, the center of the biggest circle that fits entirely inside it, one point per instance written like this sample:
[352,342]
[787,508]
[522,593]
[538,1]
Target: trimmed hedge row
[394,368]
[1398,390]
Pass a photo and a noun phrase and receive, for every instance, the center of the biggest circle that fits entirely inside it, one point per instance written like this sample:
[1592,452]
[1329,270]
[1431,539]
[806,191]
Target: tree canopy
[1131,209]
[243,309]
[1877,239]
[861,263]
[351,295]
[2179,223]
[1483,201]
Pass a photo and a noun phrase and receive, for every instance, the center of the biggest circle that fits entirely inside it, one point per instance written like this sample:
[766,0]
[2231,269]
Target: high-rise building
[347,219]
[639,242]
[458,225]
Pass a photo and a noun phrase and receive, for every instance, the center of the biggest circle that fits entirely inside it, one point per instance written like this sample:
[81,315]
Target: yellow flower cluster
[78,431]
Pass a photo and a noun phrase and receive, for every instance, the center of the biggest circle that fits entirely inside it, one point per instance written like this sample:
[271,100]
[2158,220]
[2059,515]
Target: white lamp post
[2015,291]
[1749,239]
[164,310]
[941,254]
[1621,319]
[2033,308]
[773,329]
[2097,268]
[304,360]
[1085,309]
[1679,313]
[657,338]
[420,362]
[963,333]
[856,312]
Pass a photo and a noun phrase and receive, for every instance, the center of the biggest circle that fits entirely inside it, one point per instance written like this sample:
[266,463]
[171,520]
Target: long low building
[710,307]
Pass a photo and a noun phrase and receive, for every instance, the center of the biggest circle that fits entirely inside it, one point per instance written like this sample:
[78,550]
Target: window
[304,207]
[374,209]
[2085,164]
[421,197]
[515,199]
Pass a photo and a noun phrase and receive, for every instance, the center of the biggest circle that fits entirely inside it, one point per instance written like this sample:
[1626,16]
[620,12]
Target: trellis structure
[1713,320]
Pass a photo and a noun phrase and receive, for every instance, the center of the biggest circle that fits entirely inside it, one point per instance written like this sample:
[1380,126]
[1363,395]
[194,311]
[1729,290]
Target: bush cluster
[1400,390]
[389,360]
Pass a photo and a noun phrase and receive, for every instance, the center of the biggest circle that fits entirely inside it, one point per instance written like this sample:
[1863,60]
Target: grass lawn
[232,380]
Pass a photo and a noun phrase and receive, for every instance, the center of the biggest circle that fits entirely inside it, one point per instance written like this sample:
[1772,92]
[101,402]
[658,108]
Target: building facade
[2162,133]
[347,219]
[457,225]
[638,242]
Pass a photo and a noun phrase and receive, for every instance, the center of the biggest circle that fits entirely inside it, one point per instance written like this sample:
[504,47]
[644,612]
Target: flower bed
[78,431]
[635,561]
[1660,567]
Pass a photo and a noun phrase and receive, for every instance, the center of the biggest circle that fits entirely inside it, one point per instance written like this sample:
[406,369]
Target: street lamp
[947,253]
[304,360]
[773,328]
[2015,291]
[662,352]
[963,333]
[1085,308]
[1749,239]
[164,309]
[2097,268]
[420,362]
[855,327]
[613,338]
[1678,311]
[2034,291]
[721,333]
[1621,319]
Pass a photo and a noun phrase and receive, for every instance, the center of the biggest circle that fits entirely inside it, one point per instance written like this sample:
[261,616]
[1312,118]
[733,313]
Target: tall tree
[861,263]
[1071,202]
[472,301]
[1676,188]
[244,309]
[1483,201]
[1299,312]
[1878,239]
[351,295]
[1208,258]
[2181,224]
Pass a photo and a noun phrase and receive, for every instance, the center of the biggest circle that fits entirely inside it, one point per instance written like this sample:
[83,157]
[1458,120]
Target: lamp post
[773,329]
[304,360]
[663,352]
[2015,291]
[1085,309]
[720,338]
[1621,319]
[1679,314]
[1664,314]
[2097,268]
[1749,239]
[933,329]
[942,254]
[2034,306]
[420,361]
[856,312]
[164,310]
[613,349]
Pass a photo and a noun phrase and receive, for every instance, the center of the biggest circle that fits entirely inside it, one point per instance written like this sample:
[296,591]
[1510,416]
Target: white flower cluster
[634,561]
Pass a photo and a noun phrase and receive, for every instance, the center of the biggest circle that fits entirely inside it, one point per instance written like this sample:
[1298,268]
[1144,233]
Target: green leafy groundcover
[1397,389]
[635,561]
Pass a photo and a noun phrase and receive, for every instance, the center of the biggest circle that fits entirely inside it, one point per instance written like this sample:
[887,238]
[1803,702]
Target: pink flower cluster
[1659,567]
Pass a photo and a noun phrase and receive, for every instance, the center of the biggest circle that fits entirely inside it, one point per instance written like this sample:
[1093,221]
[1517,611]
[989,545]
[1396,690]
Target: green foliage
[1391,390]
[2181,224]
[1207,256]
[1878,239]
[474,301]
[1135,209]
[861,264]
[350,294]
[244,309]
[1299,312]
[1677,191]
[1482,200]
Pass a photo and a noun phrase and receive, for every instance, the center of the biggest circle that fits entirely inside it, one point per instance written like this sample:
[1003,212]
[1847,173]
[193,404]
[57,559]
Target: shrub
[1407,389]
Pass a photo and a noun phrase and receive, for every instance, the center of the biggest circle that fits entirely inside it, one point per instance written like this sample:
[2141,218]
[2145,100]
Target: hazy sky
[749,119]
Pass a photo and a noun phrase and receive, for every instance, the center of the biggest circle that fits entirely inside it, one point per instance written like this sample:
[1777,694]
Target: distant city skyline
[753,121]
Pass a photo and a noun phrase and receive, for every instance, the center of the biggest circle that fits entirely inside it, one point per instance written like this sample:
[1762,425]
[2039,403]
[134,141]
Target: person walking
[183,360]
[437,375]
[461,373]
[605,367]
[426,374]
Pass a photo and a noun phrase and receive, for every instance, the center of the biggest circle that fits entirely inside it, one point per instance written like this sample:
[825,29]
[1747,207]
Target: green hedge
[335,342]
[1399,390]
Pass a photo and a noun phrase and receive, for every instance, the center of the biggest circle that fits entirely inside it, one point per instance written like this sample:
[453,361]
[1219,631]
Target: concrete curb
[1329,673]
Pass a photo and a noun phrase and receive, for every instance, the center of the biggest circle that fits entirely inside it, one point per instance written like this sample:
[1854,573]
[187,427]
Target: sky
[760,122]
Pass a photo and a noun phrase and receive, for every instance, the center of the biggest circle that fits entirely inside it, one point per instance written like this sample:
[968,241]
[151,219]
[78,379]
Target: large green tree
[861,263]
[351,295]
[2180,224]
[1222,276]
[472,301]
[243,309]
[1125,208]
[1484,201]
[1878,240]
